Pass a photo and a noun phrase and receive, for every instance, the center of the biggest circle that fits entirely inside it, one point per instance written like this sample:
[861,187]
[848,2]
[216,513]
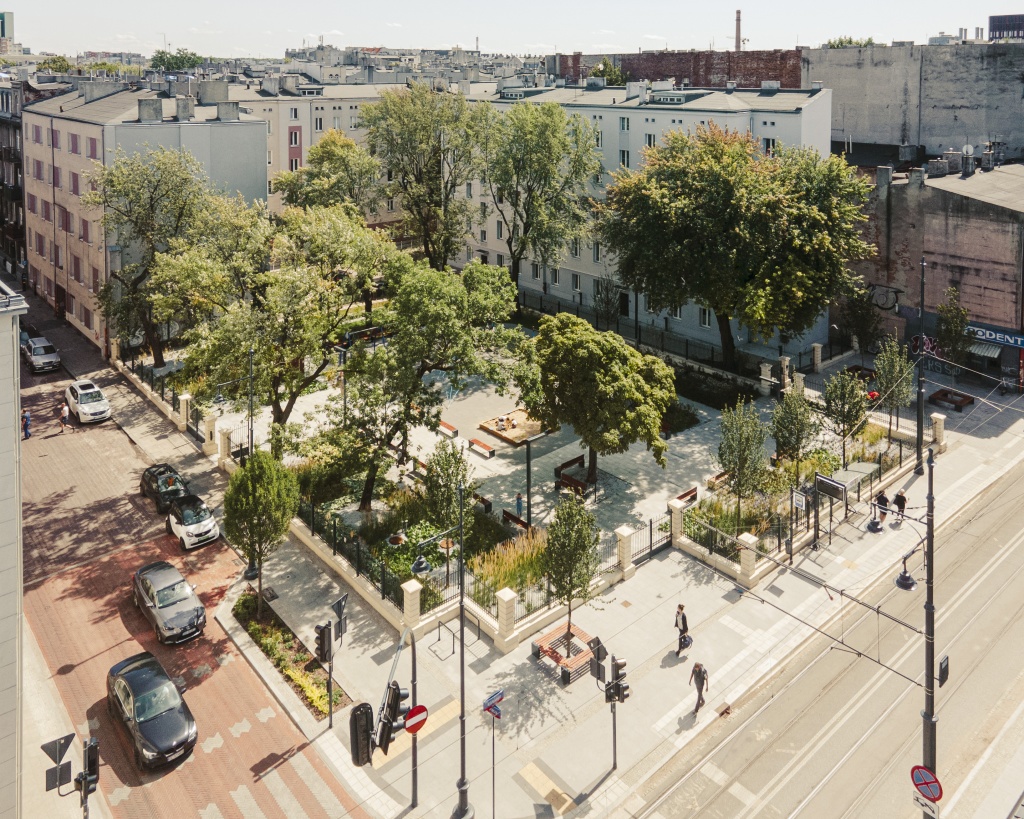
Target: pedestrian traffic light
[360,733]
[392,720]
[618,679]
[323,643]
[611,692]
[90,766]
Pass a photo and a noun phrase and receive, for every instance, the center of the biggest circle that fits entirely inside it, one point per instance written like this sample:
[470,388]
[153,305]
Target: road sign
[494,699]
[338,606]
[494,711]
[56,748]
[829,487]
[926,783]
[60,775]
[416,718]
[928,807]
[799,500]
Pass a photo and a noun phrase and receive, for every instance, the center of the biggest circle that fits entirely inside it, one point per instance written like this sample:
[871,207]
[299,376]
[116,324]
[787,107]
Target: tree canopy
[894,377]
[180,60]
[846,41]
[846,406]
[337,171]
[741,451]
[611,394]
[794,425]
[613,74]
[570,558]
[952,328]
[764,239]
[54,65]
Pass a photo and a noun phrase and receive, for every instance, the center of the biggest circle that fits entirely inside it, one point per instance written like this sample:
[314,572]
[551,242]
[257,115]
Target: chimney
[979,33]
[151,110]
[185,108]
[961,34]
[954,159]
[739,42]
[817,85]
[227,111]
[730,85]
[917,177]
[211,91]
[883,176]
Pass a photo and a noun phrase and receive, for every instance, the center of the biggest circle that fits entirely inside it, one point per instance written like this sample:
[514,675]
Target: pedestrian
[65,418]
[683,628]
[699,676]
[26,425]
[882,502]
[900,502]
[519,504]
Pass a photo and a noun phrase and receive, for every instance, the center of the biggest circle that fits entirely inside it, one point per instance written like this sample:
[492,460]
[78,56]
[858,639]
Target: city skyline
[531,28]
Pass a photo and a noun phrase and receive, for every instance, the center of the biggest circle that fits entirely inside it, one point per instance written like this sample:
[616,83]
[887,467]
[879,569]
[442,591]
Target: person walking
[882,502]
[699,677]
[900,502]
[683,628]
[26,425]
[519,504]
[65,418]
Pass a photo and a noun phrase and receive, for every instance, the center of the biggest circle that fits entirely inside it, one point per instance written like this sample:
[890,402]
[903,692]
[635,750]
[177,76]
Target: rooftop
[117,108]
[1003,187]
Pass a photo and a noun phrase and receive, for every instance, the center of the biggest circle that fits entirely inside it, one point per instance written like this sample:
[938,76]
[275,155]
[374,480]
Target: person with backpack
[900,502]
[684,630]
[882,502]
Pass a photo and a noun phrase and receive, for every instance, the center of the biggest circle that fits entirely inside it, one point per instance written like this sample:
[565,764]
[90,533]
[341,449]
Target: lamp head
[420,566]
[905,580]
[220,399]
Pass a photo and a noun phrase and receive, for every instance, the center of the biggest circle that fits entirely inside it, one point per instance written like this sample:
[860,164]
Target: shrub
[515,564]
[710,390]
[871,434]
[679,417]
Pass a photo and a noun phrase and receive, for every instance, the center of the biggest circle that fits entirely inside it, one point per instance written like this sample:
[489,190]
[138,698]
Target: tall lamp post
[529,503]
[919,468]
[252,570]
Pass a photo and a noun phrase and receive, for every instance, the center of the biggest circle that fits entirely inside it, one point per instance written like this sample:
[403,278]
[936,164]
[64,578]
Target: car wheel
[181,541]
[156,633]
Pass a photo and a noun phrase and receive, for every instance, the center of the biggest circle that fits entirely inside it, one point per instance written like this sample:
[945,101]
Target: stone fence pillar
[210,445]
[816,358]
[939,431]
[411,602]
[748,559]
[224,448]
[798,381]
[506,640]
[184,405]
[676,509]
[765,385]
[624,547]
[784,370]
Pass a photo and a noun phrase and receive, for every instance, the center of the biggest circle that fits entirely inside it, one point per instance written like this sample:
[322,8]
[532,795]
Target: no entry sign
[416,718]
[926,782]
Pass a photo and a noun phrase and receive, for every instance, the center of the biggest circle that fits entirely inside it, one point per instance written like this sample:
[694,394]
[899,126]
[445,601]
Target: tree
[861,318]
[951,330]
[606,300]
[794,425]
[571,557]
[761,239]
[845,406]
[261,499]
[846,41]
[611,394]
[447,470]
[425,140]
[337,171]
[180,60]
[613,74]
[148,199]
[537,161]
[741,451]
[894,377]
[54,65]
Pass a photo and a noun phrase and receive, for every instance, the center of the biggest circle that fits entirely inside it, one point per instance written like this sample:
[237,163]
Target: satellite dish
[968,150]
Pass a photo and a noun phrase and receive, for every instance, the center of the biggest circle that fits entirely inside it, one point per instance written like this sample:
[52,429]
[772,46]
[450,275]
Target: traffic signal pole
[615,747]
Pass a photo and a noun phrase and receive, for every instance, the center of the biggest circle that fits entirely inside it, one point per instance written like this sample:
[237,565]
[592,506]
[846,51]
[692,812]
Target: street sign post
[494,699]
[491,707]
[338,607]
[829,487]
[416,718]
[61,773]
[926,783]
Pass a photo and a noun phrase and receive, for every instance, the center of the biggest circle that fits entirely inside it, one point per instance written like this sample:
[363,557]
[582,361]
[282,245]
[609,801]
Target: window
[647,304]
[624,159]
[574,248]
[623,123]
[597,251]
[69,304]
[73,146]
[84,232]
[293,113]
[40,244]
[576,282]
[57,178]
[37,134]
[293,164]
[33,203]
[768,146]
[270,158]
[352,123]
[336,123]
[469,254]
[483,211]
[87,318]
[318,124]
[599,138]
[95,280]
[483,234]
[554,276]
[47,211]
[37,169]
[76,268]
[650,140]
[63,218]
[56,139]
[48,286]
[75,184]
[94,148]
[391,204]
[499,230]
[58,256]
[293,139]
[535,270]
[270,187]
[705,317]
[675,312]
[501,260]
[469,190]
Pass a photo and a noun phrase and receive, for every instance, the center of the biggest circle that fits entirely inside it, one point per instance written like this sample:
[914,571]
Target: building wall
[11,306]
[938,97]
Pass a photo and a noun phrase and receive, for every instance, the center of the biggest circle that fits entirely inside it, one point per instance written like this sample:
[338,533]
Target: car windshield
[194,514]
[90,397]
[46,349]
[170,595]
[156,702]
[170,483]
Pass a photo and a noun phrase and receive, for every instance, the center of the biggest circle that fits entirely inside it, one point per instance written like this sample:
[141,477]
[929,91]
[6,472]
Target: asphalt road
[86,529]
[836,732]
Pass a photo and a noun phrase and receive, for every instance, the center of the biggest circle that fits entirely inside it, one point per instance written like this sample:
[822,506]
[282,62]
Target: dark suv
[163,484]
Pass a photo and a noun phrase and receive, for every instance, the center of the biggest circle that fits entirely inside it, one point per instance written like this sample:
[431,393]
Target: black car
[169,602]
[143,699]
[163,484]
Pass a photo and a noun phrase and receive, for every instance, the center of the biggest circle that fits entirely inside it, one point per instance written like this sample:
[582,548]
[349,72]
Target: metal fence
[714,540]
[194,424]
[649,539]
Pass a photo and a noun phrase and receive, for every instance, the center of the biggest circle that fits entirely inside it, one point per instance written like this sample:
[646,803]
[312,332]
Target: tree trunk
[152,333]
[368,306]
[739,513]
[568,632]
[366,498]
[728,345]
[259,592]
[515,280]
[592,467]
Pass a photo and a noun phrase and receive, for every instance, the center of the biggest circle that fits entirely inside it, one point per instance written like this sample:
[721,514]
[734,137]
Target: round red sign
[416,718]
[926,782]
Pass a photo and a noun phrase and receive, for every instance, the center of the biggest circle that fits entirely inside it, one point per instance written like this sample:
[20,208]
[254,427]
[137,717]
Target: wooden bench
[480,448]
[719,479]
[570,668]
[484,503]
[447,429]
[952,398]
[689,496]
[579,460]
[508,517]
[569,482]
[863,373]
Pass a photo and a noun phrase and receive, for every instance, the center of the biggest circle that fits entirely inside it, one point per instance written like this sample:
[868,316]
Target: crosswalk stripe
[320,790]
[211,811]
[247,803]
[285,798]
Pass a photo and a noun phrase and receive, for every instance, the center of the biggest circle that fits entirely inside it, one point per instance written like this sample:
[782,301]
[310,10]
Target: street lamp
[529,505]
[919,467]
[907,583]
[251,571]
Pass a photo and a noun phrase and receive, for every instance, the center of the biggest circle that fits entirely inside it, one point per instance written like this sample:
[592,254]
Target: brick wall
[701,68]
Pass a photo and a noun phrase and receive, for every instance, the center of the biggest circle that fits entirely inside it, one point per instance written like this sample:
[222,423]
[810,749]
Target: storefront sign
[997,337]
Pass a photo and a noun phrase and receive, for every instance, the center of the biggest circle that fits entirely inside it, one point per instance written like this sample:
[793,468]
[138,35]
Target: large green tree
[862,319]
[846,406]
[337,171]
[447,470]
[261,499]
[148,199]
[952,328]
[894,377]
[425,141]
[570,558]
[761,239]
[537,161]
[613,74]
[611,394]
[54,65]
[794,425]
[180,60]
[741,451]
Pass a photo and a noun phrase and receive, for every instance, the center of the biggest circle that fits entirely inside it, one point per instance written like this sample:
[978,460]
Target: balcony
[10,153]
[12,192]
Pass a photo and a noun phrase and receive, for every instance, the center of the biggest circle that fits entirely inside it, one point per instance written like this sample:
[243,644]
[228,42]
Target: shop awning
[986,350]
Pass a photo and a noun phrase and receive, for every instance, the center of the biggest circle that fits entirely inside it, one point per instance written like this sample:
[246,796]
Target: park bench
[569,482]
[951,398]
[863,373]
[508,517]
[718,480]
[484,503]
[448,429]
[579,460]
[480,448]
[689,496]
[552,646]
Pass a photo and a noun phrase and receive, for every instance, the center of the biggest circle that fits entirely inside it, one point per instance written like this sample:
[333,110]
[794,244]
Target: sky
[263,28]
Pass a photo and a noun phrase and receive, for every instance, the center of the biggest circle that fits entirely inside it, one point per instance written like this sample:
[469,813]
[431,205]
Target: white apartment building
[65,137]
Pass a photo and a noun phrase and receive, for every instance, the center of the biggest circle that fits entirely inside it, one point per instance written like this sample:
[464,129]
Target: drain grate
[269,595]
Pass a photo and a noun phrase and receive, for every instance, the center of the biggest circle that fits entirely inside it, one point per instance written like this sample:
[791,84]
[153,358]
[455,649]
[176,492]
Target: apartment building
[63,140]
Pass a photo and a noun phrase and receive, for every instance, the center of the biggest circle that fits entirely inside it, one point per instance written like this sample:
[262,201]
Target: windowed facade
[597,252]
[705,317]
[650,140]
[623,123]
[576,282]
[624,159]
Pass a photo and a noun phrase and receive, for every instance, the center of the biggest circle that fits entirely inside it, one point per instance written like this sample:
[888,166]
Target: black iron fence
[194,424]
[649,539]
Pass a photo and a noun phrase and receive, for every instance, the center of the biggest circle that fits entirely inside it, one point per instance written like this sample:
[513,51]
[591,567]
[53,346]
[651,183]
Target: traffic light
[323,643]
[611,692]
[360,733]
[90,766]
[390,724]
[619,680]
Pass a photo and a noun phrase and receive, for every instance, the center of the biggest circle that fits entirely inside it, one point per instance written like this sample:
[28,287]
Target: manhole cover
[269,594]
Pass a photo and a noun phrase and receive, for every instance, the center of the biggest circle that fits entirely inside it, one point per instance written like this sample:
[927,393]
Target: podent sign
[996,337]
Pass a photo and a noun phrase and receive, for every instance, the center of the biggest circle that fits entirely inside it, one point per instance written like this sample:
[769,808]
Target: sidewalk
[553,743]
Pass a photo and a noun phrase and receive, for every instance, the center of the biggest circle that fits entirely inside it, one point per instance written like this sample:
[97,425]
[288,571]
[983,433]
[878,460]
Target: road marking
[247,803]
[118,795]
[266,714]
[240,728]
[320,790]
[543,784]
[285,798]
[211,811]
[212,743]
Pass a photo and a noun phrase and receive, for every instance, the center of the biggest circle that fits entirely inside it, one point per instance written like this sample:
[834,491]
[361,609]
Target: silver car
[169,602]
[40,355]
[87,402]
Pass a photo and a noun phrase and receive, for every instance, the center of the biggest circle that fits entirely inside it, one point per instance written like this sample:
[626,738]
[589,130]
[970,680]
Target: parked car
[190,520]
[40,355]
[162,483]
[87,402]
[148,705]
[169,602]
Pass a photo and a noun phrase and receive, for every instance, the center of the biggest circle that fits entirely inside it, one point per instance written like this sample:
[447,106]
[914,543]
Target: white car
[87,402]
[191,521]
